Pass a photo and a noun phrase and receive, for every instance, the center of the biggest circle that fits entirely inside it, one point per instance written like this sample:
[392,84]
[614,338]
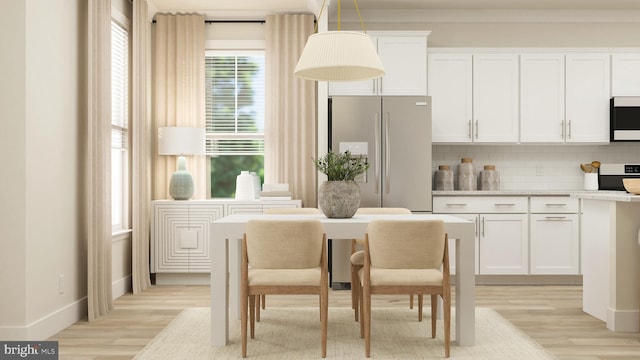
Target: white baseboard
[183,279]
[623,320]
[121,287]
[48,325]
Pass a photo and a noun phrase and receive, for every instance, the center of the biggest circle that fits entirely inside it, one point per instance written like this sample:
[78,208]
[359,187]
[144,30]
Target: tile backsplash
[536,167]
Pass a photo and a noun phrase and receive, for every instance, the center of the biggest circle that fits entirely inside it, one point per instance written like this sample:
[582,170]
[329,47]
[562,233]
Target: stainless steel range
[610,175]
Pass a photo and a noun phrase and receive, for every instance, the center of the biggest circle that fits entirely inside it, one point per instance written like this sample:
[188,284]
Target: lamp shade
[339,56]
[181,141]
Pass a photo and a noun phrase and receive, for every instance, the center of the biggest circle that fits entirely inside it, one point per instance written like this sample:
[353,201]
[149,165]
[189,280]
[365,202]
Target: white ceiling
[408,10]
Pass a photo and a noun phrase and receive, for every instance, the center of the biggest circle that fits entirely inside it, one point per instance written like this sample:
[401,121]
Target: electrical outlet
[61,284]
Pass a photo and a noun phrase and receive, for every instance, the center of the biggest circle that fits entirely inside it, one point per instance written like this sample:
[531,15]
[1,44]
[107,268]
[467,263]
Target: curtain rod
[229,21]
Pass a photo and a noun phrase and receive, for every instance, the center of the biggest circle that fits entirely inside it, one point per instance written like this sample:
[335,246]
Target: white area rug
[294,333]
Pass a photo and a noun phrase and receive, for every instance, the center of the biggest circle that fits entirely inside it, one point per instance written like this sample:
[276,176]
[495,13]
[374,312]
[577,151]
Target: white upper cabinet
[474,96]
[625,74]
[451,91]
[542,97]
[404,57]
[588,82]
[495,97]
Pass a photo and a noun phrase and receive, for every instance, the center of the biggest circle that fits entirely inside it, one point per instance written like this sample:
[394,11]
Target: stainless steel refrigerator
[394,133]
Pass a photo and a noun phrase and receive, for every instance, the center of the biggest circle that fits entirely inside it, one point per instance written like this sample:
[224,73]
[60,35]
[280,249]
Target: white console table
[180,253]
[225,265]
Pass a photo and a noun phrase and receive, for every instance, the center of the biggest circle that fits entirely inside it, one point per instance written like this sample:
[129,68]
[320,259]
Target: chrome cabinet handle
[476,129]
[387,153]
[569,130]
[553,218]
[376,141]
[505,205]
[483,226]
[555,205]
[562,129]
[469,129]
[455,205]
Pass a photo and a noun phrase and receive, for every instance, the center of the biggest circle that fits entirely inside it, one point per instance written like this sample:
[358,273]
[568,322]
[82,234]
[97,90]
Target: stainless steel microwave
[625,118]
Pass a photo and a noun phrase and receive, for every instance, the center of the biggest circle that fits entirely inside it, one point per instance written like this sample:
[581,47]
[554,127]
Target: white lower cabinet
[554,236]
[501,230]
[180,252]
[504,244]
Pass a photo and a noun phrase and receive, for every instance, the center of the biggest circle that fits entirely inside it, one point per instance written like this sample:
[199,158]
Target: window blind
[234,104]
[119,86]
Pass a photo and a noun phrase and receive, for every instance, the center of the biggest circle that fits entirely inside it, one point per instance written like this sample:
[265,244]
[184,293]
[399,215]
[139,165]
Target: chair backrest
[383,210]
[291,210]
[284,244]
[406,244]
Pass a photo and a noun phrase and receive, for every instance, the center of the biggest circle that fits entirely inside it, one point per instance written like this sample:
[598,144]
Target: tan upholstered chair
[357,256]
[283,257]
[406,257]
[261,301]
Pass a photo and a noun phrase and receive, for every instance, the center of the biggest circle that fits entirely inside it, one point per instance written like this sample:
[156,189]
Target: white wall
[49,90]
[12,181]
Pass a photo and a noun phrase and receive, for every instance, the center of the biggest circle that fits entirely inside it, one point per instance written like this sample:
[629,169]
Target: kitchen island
[610,257]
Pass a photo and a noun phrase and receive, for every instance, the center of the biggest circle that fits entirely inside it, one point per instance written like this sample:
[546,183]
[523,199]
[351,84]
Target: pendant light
[339,55]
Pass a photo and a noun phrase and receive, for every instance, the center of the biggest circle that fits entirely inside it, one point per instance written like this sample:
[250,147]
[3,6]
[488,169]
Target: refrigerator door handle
[376,142]
[387,153]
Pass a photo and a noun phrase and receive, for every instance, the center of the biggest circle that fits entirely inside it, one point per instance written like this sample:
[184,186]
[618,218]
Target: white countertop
[504,193]
[607,196]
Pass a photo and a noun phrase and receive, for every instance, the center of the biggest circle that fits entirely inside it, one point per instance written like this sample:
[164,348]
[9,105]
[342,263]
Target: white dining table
[226,234]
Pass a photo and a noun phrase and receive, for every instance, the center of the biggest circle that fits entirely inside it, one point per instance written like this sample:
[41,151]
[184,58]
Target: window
[119,127]
[234,117]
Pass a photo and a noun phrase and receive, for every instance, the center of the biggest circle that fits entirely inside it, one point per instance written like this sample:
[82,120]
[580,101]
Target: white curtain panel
[141,140]
[291,112]
[98,169]
[178,93]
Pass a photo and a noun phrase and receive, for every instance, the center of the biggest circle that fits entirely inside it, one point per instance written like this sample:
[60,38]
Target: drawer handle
[457,205]
[555,205]
[554,218]
[506,205]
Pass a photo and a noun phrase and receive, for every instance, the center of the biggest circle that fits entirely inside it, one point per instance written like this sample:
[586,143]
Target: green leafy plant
[341,166]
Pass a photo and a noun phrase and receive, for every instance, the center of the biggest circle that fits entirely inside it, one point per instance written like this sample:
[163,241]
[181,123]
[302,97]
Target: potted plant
[339,196]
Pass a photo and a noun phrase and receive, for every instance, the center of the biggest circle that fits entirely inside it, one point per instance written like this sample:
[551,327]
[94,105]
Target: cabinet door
[554,244]
[504,244]
[450,87]
[363,87]
[495,97]
[625,74]
[180,237]
[587,97]
[243,209]
[405,63]
[542,97]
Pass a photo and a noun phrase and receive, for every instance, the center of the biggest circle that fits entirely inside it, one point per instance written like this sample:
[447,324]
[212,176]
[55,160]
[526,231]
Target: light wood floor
[552,315]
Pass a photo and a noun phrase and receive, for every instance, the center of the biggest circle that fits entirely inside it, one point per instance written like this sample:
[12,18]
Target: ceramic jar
[467,175]
[245,186]
[489,178]
[443,178]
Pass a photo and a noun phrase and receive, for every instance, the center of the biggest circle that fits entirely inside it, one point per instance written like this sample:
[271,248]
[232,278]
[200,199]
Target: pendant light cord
[355,4]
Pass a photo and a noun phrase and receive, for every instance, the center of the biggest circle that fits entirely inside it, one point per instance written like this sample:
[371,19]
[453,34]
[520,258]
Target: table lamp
[181,141]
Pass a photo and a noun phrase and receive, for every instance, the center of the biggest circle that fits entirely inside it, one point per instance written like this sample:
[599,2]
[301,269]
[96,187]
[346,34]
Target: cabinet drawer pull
[553,218]
[507,205]
[456,205]
[555,205]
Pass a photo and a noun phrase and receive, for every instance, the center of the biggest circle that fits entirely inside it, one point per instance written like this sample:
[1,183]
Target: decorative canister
[467,175]
[489,178]
[443,178]
[245,186]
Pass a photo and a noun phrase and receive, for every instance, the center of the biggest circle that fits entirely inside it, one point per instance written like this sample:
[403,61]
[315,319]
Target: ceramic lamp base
[181,184]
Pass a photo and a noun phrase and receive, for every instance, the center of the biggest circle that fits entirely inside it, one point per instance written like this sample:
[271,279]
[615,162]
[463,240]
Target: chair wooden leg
[324,311]
[366,319]
[434,314]
[264,301]
[258,308]
[411,301]
[244,310]
[361,308]
[420,307]
[447,324]
[354,291]
[252,317]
